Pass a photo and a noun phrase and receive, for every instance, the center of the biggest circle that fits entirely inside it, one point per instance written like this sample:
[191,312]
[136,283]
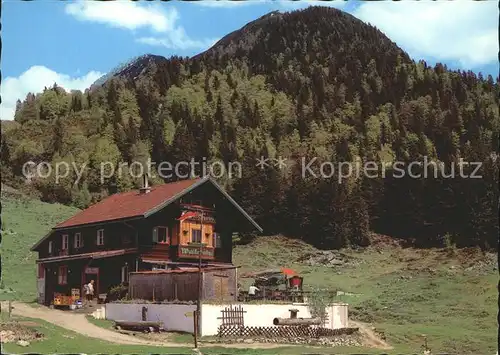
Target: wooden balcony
[159,251]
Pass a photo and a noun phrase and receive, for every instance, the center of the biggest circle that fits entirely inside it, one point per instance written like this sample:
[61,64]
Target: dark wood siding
[116,236]
[164,287]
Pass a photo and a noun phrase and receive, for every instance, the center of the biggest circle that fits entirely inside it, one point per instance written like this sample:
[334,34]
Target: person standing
[89,291]
[252,290]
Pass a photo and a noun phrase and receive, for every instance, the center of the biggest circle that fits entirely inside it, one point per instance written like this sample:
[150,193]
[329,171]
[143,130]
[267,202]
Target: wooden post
[200,283]
[195,328]
[153,292]
[10,308]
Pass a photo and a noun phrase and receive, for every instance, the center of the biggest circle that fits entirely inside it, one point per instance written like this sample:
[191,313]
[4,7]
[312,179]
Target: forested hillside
[312,83]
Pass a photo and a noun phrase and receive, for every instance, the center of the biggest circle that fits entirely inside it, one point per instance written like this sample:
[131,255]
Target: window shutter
[155,235]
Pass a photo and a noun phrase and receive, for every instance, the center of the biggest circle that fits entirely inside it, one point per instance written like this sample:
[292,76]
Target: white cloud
[178,40]
[34,80]
[132,16]
[460,31]
[123,14]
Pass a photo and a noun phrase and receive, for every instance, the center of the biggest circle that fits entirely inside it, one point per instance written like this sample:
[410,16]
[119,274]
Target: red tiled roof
[127,204]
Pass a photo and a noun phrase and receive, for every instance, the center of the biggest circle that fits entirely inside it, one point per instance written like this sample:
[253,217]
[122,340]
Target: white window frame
[100,237]
[78,242]
[50,247]
[65,242]
[156,235]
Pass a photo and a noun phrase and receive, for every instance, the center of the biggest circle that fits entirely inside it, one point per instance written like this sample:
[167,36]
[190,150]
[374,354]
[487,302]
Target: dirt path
[79,324]
[370,338]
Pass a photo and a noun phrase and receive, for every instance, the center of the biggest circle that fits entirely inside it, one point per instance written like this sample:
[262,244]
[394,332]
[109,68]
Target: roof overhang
[33,248]
[96,255]
[56,259]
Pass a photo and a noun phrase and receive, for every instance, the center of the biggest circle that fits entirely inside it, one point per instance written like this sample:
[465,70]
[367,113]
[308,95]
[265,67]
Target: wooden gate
[233,316]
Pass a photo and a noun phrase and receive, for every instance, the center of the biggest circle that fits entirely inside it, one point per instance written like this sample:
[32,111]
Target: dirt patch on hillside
[380,241]
[331,258]
[13,331]
[370,336]
[466,260]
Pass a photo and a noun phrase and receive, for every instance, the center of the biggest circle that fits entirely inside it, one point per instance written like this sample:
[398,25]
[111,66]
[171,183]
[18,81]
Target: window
[160,234]
[125,274]
[64,242]
[41,271]
[62,276]
[50,247]
[100,237]
[217,241]
[78,240]
[196,235]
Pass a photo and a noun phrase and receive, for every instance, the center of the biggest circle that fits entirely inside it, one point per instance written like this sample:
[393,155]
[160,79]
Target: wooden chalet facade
[159,227]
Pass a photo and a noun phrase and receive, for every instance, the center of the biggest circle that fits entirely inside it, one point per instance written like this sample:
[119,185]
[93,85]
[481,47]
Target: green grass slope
[24,222]
[448,295]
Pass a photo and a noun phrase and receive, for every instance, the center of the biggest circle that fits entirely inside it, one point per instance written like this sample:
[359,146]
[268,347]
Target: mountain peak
[131,68]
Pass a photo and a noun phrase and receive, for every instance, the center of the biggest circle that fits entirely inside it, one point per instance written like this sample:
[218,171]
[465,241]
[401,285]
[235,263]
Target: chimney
[145,186]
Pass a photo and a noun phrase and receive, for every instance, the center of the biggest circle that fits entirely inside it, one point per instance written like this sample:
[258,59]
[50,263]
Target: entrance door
[92,273]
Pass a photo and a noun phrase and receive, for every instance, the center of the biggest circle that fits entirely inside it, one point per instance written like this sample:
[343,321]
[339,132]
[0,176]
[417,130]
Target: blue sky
[74,42]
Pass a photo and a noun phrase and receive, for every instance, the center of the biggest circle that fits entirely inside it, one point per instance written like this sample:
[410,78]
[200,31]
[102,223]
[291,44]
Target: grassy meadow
[24,222]
[448,296]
